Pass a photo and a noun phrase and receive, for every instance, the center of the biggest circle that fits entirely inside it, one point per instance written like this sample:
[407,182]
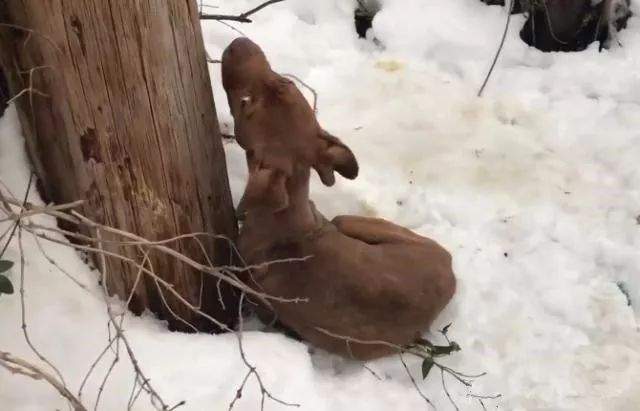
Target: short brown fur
[366,278]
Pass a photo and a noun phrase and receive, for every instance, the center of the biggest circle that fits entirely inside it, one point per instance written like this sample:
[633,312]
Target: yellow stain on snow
[390,66]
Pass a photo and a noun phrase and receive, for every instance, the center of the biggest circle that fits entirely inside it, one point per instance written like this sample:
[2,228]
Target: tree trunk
[129,124]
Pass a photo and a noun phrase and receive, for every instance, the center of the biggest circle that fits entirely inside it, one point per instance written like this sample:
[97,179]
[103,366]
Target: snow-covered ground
[535,189]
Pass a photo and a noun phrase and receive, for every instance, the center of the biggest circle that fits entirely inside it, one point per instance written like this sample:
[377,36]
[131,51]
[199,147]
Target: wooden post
[129,124]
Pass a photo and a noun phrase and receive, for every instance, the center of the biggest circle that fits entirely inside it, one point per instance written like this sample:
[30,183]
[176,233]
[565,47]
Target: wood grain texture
[129,124]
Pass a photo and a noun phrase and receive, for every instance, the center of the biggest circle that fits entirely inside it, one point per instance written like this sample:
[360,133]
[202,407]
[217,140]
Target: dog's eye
[244,101]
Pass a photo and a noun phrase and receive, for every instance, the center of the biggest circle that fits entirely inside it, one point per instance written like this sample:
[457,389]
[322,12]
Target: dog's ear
[266,189]
[334,155]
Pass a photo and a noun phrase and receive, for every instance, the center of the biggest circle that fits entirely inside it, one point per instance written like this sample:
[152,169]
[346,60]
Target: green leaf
[5,285]
[5,265]
[427,364]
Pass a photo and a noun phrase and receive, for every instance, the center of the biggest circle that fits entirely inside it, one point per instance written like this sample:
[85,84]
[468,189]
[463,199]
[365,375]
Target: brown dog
[366,278]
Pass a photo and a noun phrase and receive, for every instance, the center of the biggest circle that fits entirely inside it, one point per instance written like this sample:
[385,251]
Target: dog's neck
[299,219]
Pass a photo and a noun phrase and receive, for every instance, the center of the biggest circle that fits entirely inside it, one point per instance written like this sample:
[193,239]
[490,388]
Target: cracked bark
[130,126]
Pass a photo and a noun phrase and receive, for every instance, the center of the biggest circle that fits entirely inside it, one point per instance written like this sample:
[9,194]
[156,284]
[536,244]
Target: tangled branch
[428,352]
[242,17]
[20,212]
[17,365]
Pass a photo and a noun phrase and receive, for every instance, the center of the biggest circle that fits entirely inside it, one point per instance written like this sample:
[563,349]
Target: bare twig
[120,333]
[243,17]
[31,32]
[413,381]
[252,369]
[424,353]
[50,210]
[123,238]
[113,364]
[17,365]
[224,23]
[56,265]
[24,310]
[17,222]
[93,366]
[446,391]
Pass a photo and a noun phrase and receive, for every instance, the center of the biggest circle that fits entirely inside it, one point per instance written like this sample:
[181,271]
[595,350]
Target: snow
[534,188]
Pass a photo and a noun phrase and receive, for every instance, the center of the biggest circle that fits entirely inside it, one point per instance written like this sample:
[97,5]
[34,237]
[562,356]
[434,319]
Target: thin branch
[243,17]
[23,311]
[120,333]
[17,365]
[446,391]
[58,266]
[31,32]
[216,271]
[93,366]
[228,273]
[17,222]
[224,23]
[465,379]
[413,381]
[252,369]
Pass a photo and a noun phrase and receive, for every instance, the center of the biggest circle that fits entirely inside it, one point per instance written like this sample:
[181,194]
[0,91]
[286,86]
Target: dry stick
[135,398]
[375,374]
[116,359]
[232,280]
[51,210]
[153,275]
[17,222]
[119,332]
[93,366]
[201,267]
[113,364]
[413,381]
[132,396]
[495,59]
[461,377]
[58,266]
[23,312]
[252,369]
[31,32]
[120,242]
[137,280]
[242,18]
[211,265]
[446,391]
[224,23]
[25,91]
[315,94]
[17,365]
[168,307]
[480,398]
